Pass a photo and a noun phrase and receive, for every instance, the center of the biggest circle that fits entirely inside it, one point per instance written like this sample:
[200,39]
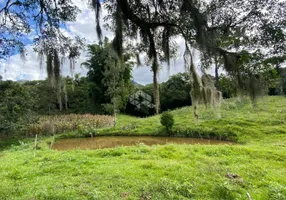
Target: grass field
[255,168]
[236,120]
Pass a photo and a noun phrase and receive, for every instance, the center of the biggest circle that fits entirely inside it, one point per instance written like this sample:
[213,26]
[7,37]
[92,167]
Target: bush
[167,120]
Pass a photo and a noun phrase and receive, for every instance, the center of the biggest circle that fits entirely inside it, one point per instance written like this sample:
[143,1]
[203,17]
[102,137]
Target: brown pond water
[116,141]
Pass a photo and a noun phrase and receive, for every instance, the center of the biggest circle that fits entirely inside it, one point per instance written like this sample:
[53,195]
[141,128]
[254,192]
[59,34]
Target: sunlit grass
[162,171]
[142,172]
[236,120]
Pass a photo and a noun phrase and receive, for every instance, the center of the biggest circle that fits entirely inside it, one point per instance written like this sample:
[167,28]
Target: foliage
[220,30]
[274,82]
[175,92]
[16,108]
[44,95]
[43,19]
[80,96]
[167,120]
[49,125]
[110,75]
[117,78]
[227,86]
[283,80]
[77,97]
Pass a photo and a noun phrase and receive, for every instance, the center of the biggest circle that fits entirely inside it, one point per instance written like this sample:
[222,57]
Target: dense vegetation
[245,39]
[23,104]
[253,169]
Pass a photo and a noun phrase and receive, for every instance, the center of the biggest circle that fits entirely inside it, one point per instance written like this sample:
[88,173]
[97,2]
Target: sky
[15,68]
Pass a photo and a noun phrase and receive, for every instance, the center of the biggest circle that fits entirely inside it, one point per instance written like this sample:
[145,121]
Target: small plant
[167,120]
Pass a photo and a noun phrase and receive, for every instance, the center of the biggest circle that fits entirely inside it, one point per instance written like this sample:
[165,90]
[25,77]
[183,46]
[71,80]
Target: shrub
[167,120]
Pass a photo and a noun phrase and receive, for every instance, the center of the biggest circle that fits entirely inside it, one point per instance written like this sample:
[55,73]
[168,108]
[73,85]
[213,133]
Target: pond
[116,141]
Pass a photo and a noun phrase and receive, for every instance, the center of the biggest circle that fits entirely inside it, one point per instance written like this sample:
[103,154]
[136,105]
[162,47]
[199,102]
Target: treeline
[107,89]
[21,102]
[85,96]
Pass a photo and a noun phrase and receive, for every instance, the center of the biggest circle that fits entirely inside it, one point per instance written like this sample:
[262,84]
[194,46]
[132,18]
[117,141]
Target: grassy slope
[162,172]
[236,120]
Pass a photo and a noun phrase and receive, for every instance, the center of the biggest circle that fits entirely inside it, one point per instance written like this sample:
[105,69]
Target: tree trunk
[156,90]
[114,113]
[216,73]
[59,97]
[60,102]
[66,95]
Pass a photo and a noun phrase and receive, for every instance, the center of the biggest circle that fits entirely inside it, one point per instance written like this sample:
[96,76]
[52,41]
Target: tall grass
[66,123]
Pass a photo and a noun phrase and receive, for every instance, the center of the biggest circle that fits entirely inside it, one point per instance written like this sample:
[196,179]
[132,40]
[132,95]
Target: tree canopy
[244,35]
[111,77]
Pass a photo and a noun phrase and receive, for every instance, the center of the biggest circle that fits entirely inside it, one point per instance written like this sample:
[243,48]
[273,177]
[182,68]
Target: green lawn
[254,168]
[235,120]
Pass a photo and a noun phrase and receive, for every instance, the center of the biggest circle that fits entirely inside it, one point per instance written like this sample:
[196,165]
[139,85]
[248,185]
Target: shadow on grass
[5,143]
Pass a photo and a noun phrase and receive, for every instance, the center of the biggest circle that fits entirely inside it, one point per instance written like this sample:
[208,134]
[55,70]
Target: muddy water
[115,141]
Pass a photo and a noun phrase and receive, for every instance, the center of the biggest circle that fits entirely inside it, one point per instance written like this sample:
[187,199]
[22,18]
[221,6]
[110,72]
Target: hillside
[254,168]
[236,120]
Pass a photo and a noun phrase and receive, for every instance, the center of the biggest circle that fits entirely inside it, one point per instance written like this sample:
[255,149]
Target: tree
[16,108]
[227,86]
[20,17]
[175,92]
[95,65]
[44,96]
[167,120]
[221,29]
[117,79]
[45,18]
[226,29]
[79,96]
[154,42]
[111,77]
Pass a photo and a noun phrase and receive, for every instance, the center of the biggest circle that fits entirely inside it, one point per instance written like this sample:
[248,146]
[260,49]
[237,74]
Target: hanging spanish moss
[118,39]
[72,68]
[155,69]
[96,5]
[50,68]
[54,74]
[203,90]
[165,44]
[155,22]
[57,67]
[151,40]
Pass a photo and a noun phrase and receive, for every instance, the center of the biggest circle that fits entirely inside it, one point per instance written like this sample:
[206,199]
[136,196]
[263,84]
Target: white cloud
[15,68]
[84,26]
[29,69]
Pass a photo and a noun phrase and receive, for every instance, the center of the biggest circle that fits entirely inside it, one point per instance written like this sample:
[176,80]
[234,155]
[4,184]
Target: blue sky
[17,69]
